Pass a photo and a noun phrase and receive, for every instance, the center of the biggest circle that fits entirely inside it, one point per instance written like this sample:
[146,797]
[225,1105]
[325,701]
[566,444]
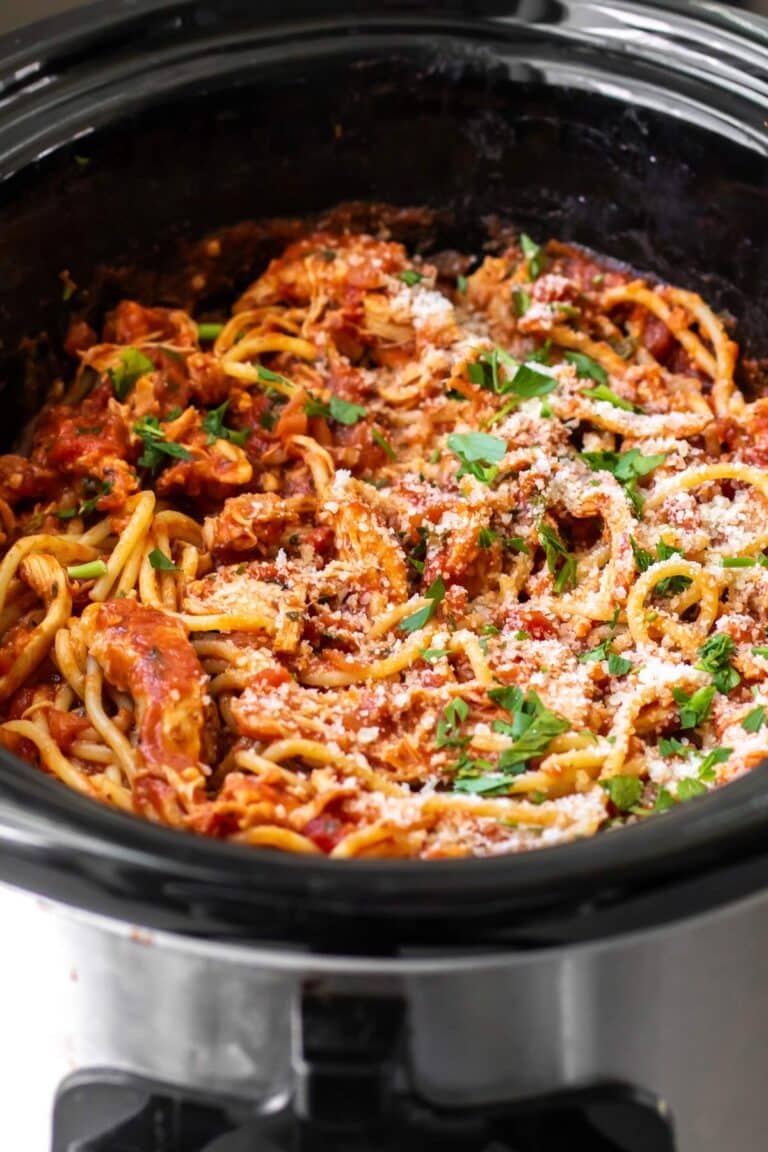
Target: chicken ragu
[392,563]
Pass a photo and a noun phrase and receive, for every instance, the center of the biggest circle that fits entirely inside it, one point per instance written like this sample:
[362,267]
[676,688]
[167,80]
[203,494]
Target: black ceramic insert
[129,131]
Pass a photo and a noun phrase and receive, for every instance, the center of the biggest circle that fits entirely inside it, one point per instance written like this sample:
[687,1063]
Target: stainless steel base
[680,1012]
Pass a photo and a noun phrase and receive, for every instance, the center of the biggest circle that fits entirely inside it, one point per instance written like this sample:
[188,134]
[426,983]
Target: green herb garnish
[410,277]
[155,444]
[670,585]
[454,715]
[386,447]
[267,376]
[534,255]
[664,800]
[754,720]
[486,537]
[521,300]
[587,368]
[594,654]
[161,562]
[561,562]
[618,665]
[627,467]
[624,791]
[715,658]
[532,728]
[486,373]
[133,365]
[694,709]
[478,453]
[86,506]
[707,765]
[435,594]
[603,392]
[674,747]
[209,331]
[738,561]
[342,411]
[689,787]
[213,424]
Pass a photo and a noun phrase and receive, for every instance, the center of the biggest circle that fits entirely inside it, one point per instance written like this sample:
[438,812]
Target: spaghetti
[387,564]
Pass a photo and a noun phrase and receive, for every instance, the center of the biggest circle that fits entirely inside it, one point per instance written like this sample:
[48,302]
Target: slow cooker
[166,992]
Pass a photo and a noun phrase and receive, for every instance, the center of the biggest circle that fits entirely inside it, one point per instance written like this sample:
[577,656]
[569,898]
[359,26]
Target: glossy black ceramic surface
[640,132]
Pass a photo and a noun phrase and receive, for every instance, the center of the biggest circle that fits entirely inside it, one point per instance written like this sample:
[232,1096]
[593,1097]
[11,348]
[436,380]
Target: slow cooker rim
[729,821]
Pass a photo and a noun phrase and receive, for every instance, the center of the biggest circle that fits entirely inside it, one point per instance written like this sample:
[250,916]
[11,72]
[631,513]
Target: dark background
[14,13]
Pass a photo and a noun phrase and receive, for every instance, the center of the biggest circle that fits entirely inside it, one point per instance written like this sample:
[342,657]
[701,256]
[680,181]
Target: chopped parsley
[209,331]
[161,562]
[570,311]
[486,373]
[530,381]
[761,651]
[342,411]
[532,728]
[213,424]
[435,594]
[754,720]
[430,654]
[694,708]
[534,255]
[488,536]
[524,381]
[715,658]
[707,765]
[448,726]
[670,585]
[383,443]
[418,553]
[267,376]
[624,791]
[521,300]
[598,653]
[664,800]
[603,392]
[515,544]
[133,365]
[587,368]
[478,453]
[541,355]
[618,665]
[155,444]
[627,467]
[461,284]
[561,562]
[689,787]
[674,747]
[86,506]
[410,277]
